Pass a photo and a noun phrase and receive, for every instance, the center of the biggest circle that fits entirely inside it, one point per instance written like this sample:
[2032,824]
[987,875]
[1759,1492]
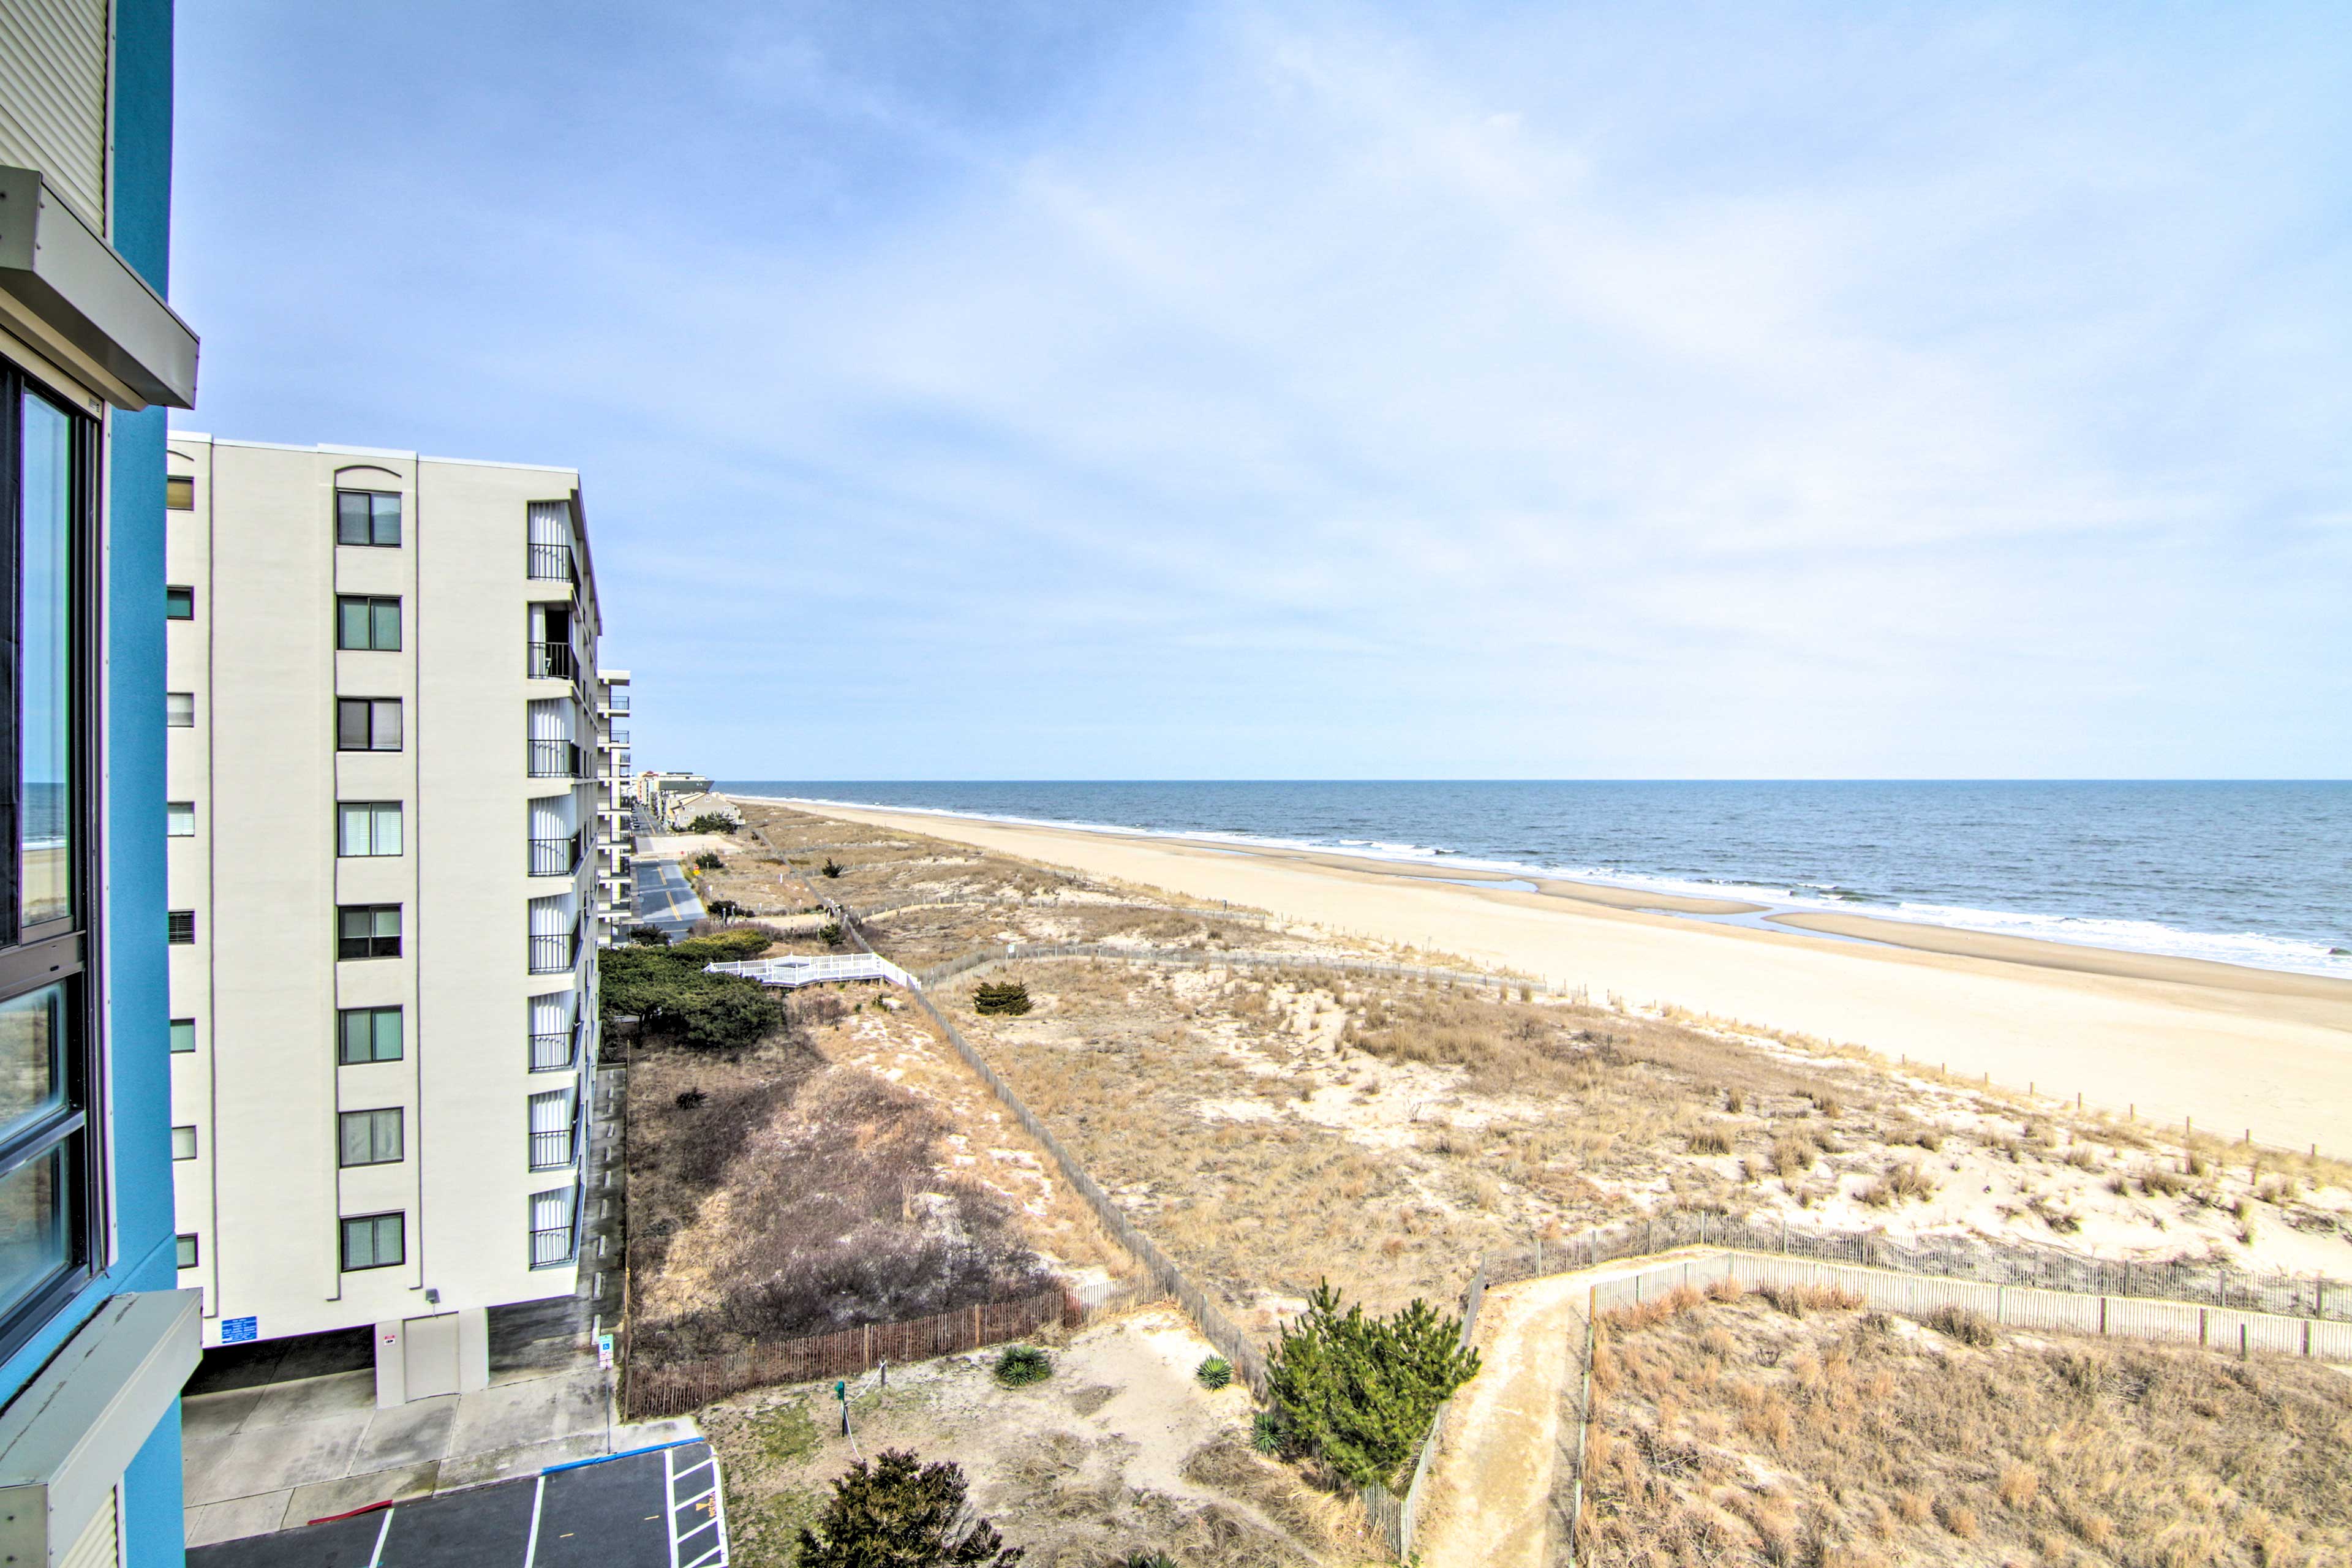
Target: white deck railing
[791,972]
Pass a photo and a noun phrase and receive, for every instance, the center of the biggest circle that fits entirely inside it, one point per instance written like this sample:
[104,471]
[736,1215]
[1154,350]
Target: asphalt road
[656,1510]
[665,900]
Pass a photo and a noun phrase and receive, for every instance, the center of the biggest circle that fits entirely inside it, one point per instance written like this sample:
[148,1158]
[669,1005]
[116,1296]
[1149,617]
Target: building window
[51,1061]
[367,827]
[180,492]
[550,1129]
[180,709]
[180,928]
[367,1034]
[179,603]
[179,819]
[367,517]
[374,1241]
[183,1036]
[367,623]
[367,931]
[187,1248]
[369,1137]
[367,723]
[183,1142]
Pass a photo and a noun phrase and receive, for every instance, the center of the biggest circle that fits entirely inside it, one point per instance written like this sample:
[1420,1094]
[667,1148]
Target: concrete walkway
[260,1459]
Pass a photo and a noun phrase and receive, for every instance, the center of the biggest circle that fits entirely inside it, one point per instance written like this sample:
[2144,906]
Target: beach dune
[2232,1049]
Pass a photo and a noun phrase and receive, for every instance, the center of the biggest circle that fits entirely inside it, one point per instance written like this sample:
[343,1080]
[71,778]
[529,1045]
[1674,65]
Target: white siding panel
[100,1543]
[53,69]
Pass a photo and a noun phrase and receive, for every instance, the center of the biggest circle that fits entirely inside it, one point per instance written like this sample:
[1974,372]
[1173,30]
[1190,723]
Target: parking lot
[660,1508]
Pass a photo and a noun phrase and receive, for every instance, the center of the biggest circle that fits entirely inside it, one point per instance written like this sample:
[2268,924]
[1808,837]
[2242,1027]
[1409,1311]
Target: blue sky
[1002,390]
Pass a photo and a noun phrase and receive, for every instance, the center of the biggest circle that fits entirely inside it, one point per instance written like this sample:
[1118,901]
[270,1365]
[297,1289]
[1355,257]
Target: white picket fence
[815,971]
[2014,1306]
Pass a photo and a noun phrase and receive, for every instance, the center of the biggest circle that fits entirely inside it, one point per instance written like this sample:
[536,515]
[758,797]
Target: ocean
[2250,873]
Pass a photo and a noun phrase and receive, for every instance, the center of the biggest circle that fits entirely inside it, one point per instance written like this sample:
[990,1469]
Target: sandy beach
[2233,1049]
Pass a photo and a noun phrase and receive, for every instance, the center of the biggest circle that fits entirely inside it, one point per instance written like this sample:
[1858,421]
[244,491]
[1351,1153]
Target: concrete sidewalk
[262,1459]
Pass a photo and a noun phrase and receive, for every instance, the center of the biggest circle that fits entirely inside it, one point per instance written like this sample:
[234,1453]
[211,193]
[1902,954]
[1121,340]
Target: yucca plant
[1214,1372]
[1022,1365]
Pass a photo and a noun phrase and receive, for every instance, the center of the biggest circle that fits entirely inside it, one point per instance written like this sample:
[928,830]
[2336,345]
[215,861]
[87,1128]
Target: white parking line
[538,1496]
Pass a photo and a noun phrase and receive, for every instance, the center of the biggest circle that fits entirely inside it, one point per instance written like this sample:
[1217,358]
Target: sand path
[2234,1048]
[1489,1494]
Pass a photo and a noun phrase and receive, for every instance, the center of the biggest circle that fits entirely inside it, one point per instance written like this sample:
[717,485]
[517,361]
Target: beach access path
[2236,1049]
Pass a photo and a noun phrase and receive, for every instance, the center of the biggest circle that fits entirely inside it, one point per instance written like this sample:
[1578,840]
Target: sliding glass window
[49,1214]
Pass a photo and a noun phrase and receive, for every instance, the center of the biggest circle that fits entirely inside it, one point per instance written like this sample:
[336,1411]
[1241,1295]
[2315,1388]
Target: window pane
[353,1127]
[183,1036]
[387,921]
[387,1135]
[187,1251]
[33,1037]
[352,726]
[180,819]
[386,635]
[354,836]
[180,492]
[350,623]
[45,652]
[387,724]
[386,513]
[180,708]
[183,1142]
[179,603]
[387,1034]
[36,1224]
[350,517]
[386,819]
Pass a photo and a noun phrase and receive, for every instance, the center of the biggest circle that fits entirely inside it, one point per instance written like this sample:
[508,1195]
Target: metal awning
[67,292]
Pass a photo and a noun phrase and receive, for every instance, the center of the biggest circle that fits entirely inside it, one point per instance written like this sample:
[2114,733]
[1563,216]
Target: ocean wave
[2253,950]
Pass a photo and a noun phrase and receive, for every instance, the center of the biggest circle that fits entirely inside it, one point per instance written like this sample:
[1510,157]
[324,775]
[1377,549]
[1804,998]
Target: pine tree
[898,1512]
[1011,997]
[1361,1392]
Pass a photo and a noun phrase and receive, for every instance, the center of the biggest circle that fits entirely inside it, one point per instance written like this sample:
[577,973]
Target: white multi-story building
[616,796]
[384,811]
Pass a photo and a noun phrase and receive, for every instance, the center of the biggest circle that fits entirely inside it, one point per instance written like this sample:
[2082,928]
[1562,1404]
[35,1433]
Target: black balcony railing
[554,661]
[551,1248]
[557,760]
[555,856]
[550,1151]
[555,1052]
[553,563]
[555,954]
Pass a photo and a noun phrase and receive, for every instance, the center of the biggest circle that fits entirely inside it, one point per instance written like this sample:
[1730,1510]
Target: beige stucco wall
[262,981]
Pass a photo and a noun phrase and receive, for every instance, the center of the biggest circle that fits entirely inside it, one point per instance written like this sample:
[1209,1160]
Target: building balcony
[553,661]
[555,856]
[555,1052]
[553,564]
[555,954]
[560,1149]
[557,760]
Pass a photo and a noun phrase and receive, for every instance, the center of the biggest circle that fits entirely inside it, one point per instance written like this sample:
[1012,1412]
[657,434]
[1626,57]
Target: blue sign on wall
[240,1330]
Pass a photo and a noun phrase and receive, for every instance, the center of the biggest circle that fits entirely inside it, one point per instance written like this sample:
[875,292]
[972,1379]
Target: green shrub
[1214,1372]
[1265,1432]
[666,989]
[711,822]
[833,868]
[725,946]
[1012,998]
[1022,1365]
[831,933]
[898,1512]
[648,936]
[709,861]
[1361,1392]
[1969,1328]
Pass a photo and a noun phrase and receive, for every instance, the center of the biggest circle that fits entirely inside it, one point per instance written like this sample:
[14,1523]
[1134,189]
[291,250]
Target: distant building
[95,1339]
[616,797]
[387,812]
[662,794]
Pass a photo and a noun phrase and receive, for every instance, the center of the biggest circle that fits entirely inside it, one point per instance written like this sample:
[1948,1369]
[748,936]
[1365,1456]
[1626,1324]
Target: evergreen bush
[709,861]
[724,946]
[833,868]
[1214,1372]
[1012,996]
[648,936]
[1359,1392]
[898,1512]
[1022,1365]
[711,822]
[831,933]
